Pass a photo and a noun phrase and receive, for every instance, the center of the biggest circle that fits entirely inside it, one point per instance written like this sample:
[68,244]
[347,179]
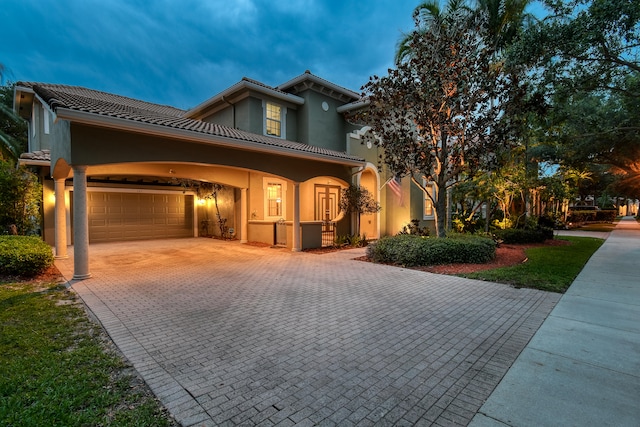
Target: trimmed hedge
[523,235]
[603,215]
[24,255]
[409,250]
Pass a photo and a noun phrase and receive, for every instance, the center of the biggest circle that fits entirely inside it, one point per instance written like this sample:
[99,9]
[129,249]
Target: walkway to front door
[226,333]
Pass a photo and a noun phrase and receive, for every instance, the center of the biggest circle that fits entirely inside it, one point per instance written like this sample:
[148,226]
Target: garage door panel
[138,216]
[98,210]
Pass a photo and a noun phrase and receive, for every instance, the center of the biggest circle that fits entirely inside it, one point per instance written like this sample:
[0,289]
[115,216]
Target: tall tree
[503,21]
[583,45]
[586,57]
[437,116]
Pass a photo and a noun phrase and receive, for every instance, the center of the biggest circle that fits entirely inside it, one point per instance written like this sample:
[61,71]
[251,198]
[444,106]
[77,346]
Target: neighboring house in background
[111,165]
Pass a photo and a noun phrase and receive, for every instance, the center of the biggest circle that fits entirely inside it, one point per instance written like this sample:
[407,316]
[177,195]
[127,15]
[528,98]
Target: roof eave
[32,162]
[320,81]
[240,86]
[17,104]
[188,135]
[357,105]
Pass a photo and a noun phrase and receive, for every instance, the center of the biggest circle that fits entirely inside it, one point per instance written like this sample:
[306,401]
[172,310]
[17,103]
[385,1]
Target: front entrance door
[327,202]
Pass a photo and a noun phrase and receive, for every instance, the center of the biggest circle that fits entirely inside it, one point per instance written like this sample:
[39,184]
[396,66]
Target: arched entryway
[370,223]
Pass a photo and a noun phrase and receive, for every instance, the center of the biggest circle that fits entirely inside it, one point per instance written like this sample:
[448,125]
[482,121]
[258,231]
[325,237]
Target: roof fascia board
[244,85]
[164,131]
[322,82]
[46,107]
[353,106]
[31,162]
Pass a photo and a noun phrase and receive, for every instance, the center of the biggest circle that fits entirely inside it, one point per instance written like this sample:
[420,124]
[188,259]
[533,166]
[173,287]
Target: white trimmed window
[45,120]
[275,191]
[427,212]
[274,123]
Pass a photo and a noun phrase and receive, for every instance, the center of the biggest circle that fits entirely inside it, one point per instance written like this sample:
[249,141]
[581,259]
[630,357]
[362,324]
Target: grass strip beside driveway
[551,268]
[58,368]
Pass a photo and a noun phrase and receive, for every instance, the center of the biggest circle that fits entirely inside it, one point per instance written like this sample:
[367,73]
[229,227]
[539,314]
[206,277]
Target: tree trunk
[441,211]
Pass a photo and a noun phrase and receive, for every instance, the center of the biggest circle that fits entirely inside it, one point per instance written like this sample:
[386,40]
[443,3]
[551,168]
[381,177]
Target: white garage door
[138,216]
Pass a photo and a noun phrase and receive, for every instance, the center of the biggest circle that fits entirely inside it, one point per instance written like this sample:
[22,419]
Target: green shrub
[410,250]
[523,235]
[24,255]
[20,195]
[606,215]
[461,223]
[502,224]
[352,240]
[414,228]
[577,216]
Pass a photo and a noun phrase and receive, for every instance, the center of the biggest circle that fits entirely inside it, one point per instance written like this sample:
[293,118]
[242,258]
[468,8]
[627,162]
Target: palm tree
[429,15]
[503,21]
[13,130]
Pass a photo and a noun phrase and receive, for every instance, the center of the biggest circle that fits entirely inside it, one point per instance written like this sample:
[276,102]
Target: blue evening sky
[181,52]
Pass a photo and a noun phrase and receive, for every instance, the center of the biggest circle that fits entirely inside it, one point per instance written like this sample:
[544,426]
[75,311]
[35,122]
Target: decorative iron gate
[328,233]
[280,233]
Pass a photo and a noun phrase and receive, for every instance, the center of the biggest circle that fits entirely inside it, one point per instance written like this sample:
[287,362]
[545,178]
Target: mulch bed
[50,275]
[506,256]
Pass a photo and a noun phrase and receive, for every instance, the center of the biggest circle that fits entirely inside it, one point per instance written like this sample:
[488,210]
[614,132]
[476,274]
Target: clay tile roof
[266,86]
[44,155]
[110,105]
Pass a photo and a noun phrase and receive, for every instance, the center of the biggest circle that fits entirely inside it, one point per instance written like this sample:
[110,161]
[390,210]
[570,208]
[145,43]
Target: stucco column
[296,217]
[60,220]
[243,216]
[80,224]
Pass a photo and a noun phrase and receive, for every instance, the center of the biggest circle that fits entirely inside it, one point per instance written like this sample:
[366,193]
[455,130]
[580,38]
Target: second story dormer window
[273,120]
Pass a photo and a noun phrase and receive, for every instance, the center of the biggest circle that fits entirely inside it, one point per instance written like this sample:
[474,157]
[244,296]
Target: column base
[81,276]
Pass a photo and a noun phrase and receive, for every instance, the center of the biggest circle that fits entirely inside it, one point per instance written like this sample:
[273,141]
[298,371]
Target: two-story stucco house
[111,166]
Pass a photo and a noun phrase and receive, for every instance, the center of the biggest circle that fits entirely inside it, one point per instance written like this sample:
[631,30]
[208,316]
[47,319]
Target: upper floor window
[273,120]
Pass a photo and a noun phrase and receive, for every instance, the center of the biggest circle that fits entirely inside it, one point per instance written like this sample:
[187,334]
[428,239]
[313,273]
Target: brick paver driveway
[229,334]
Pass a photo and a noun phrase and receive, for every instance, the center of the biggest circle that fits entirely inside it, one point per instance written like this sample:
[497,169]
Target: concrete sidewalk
[582,367]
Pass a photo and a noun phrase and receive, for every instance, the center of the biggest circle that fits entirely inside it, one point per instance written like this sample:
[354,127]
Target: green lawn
[549,268]
[57,368]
